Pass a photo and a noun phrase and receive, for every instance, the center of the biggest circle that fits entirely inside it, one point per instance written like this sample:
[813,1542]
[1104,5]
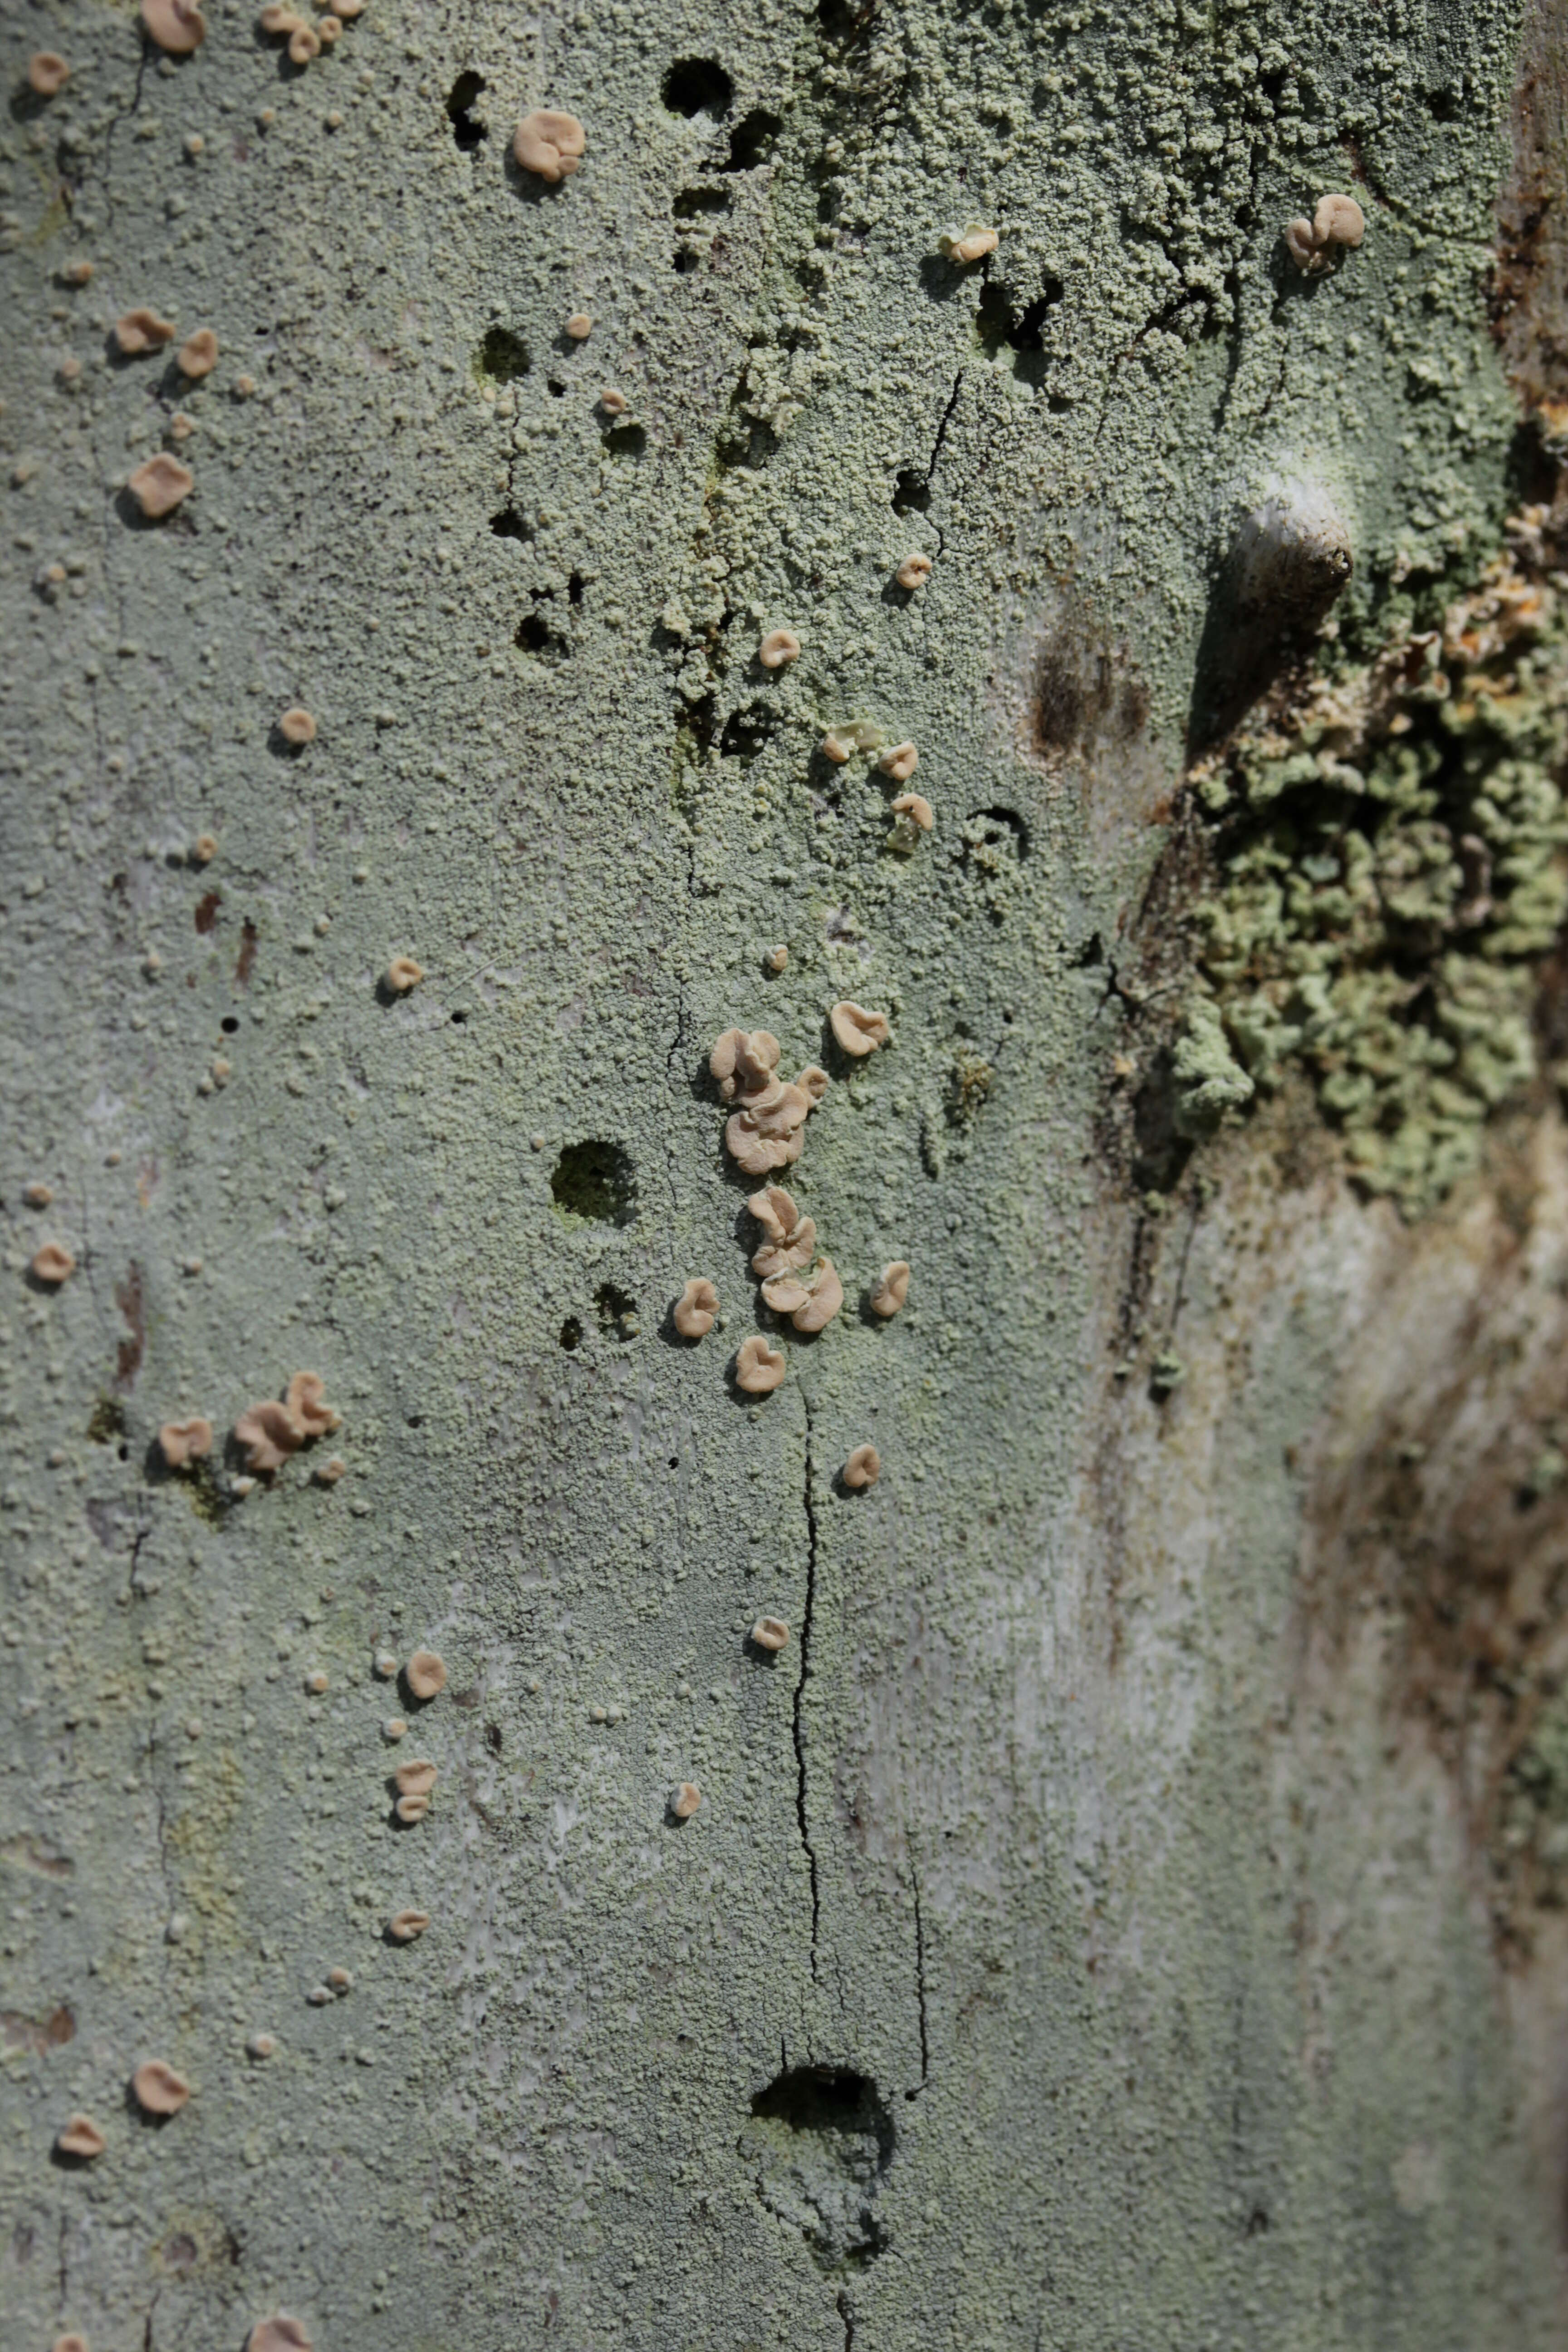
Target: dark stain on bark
[1527,296]
[206,911]
[245,963]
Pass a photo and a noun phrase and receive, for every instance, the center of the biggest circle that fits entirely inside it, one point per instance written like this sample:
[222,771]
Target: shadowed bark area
[598,1872]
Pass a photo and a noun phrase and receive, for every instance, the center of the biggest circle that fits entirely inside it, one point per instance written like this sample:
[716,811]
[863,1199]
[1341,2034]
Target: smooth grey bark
[1090,1934]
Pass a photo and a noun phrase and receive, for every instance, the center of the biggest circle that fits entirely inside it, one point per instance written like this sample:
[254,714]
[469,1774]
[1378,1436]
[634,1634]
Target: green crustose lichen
[1392,864]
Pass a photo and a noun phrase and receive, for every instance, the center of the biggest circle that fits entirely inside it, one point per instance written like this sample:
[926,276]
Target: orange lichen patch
[900,761]
[270,1433]
[416,1779]
[549,143]
[38,1195]
[892,1287]
[308,1407]
[696,1309]
[160,485]
[297,726]
[158,2089]
[404,1926]
[969,245]
[177,26]
[48,73]
[1338,220]
[53,1263]
[838,745]
[759,1368]
[916,808]
[412,1809]
[141,331]
[328,1472]
[790,1238]
[281,2333]
[579,326]
[864,1467]
[197,355]
[685,1798]
[181,1442]
[80,2137]
[611,402]
[779,646]
[770,1634]
[403,973]
[859,1032]
[426,1675]
[913,571]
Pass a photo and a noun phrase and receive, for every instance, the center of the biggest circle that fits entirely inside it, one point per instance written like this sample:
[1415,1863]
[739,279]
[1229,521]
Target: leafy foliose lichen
[1392,866]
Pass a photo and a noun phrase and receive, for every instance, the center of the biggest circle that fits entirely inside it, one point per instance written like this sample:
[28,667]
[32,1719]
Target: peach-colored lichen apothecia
[685,1798]
[177,26]
[858,1033]
[1338,220]
[770,1634]
[549,143]
[48,73]
[696,1309]
[197,355]
[863,1468]
[160,486]
[767,1129]
[53,1264]
[891,1289]
[405,1926]
[80,2136]
[759,1368]
[279,2333]
[183,1441]
[426,1675]
[141,331]
[159,2090]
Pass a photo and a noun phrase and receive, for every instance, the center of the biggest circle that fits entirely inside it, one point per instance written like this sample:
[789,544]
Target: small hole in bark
[503,356]
[596,1182]
[698,86]
[752,139]
[570,1333]
[625,441]
[746,732]
[465,91]
[229,1024]
[508,525]
[912,493]
[821,2139]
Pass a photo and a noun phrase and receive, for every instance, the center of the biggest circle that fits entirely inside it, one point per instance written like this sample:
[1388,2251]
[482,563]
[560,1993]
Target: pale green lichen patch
[1392,866]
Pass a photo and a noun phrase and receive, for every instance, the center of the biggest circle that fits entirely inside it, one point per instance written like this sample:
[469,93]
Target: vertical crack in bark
[847,2317]
[920,1986]
[810,1501]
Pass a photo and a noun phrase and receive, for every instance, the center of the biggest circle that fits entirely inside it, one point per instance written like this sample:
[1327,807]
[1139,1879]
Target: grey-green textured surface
[1173,1974]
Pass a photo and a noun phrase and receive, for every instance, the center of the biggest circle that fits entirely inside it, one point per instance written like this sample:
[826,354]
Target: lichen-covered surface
[1082,1940]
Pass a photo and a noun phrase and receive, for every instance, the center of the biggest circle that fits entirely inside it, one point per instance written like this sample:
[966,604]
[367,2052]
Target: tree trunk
[1128,1910]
